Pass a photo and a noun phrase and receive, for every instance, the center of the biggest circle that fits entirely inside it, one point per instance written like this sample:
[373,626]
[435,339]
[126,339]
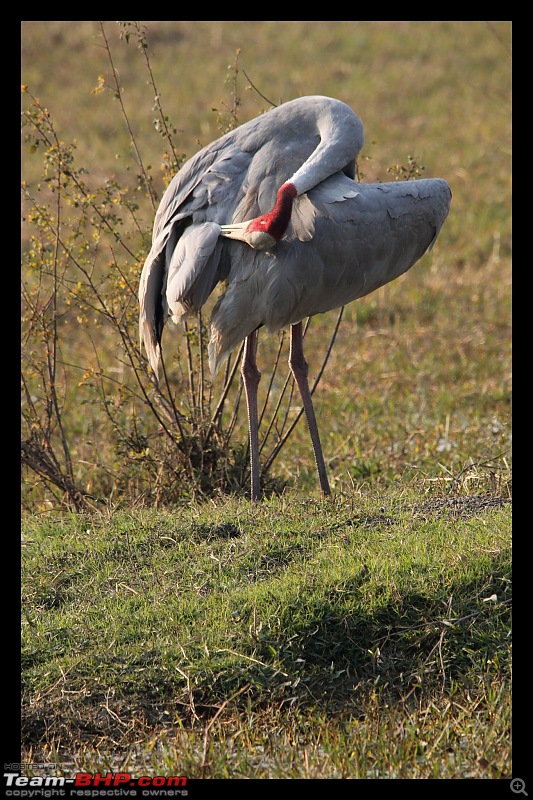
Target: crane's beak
[235,231]
[259,240]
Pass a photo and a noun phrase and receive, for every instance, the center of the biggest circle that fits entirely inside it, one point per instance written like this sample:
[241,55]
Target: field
[170,627]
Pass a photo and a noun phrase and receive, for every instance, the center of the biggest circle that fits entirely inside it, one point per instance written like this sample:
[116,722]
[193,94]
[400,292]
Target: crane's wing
[372,204]
[325,200]
[184,262]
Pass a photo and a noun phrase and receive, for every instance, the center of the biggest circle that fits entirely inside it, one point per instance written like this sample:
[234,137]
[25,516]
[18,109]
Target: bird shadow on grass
[425,641]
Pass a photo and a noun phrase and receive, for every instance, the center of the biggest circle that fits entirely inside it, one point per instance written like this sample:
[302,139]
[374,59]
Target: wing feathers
[193,268]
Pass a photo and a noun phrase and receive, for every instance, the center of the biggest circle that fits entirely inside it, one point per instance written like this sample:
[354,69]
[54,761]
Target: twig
[118,94]
[254,87]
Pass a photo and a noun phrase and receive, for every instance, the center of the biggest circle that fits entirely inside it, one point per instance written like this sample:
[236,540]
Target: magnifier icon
[518,786]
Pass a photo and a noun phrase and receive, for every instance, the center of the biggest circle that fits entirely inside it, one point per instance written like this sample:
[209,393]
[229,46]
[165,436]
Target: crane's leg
[251,377]
[299,369]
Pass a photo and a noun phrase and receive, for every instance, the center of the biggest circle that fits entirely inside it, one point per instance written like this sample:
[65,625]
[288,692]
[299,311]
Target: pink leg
[251,377]
[299,369]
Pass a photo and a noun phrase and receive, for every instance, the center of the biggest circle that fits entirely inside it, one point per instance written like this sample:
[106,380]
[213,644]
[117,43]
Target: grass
[219,633]
[366,637]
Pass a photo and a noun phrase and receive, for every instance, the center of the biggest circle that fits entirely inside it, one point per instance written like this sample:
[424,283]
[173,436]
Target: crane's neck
[341,140]
[338,135]
[275,222]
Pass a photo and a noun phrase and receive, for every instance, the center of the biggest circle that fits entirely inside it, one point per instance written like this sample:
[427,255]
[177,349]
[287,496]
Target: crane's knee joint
[298,364]
[250,373]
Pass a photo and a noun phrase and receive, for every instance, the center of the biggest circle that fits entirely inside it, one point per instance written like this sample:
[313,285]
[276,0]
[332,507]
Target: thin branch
[254,87]
[271,381]
[230,375]
[118,94]
[143,45]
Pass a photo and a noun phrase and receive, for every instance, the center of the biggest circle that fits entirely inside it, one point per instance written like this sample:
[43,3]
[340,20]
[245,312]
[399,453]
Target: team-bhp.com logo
[86,784]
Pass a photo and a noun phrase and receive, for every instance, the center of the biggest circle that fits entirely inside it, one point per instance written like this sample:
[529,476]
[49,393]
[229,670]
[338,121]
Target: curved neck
[276,221]
[341,140]
[280,215]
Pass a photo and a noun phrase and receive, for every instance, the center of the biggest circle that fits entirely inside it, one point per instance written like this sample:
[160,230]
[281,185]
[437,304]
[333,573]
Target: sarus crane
[273,209]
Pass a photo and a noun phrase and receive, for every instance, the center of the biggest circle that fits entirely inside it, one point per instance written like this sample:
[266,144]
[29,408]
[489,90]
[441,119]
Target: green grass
[363,637]
[211,627]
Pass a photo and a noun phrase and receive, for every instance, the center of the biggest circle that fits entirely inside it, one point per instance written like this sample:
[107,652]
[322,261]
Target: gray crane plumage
[342,240]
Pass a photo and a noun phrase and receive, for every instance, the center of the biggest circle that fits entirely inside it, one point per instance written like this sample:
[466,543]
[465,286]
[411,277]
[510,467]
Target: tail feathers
[220,348]
[216,354]
[151,344]
[230,326]
[193,268]
[153,310]
[177,277]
